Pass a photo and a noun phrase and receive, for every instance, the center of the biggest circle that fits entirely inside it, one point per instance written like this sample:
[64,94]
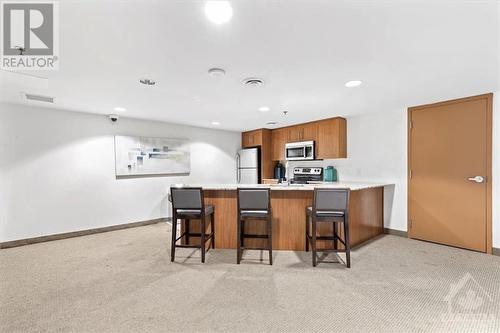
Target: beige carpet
[123,281]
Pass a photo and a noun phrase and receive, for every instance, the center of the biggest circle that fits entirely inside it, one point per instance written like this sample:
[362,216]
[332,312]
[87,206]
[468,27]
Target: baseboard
[496,251]
[395,232]
[48,238]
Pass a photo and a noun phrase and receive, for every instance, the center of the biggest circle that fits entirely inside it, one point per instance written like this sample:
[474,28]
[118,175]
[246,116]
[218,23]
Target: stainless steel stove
[302,175]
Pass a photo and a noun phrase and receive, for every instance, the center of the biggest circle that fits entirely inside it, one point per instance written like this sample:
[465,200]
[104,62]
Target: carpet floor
[123,281]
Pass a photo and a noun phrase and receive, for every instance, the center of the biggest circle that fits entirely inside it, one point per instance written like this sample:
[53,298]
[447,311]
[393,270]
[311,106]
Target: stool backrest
[254,198]
[187,197]
[331,199]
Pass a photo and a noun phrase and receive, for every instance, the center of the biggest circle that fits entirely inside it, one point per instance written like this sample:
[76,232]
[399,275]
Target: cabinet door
[331,141]
[251,139]
[309,132]
[293,133]
[279,138]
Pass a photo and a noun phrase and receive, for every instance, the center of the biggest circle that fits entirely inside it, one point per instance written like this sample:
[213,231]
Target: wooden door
[449,144]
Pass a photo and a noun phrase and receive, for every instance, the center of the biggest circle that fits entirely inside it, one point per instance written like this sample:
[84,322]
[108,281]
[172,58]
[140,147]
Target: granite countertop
[352,185]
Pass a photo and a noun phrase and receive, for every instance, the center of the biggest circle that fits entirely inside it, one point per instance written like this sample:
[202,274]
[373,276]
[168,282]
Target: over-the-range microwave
[299,151]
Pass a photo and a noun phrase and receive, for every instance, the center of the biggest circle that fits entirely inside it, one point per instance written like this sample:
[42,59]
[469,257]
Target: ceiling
[405,52]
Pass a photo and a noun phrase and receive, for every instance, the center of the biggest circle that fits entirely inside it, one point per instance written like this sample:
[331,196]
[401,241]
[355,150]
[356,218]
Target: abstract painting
[136,156]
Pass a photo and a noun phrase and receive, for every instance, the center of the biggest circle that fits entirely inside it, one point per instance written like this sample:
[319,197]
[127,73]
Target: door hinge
[410,174]
[411,124]
[410,222]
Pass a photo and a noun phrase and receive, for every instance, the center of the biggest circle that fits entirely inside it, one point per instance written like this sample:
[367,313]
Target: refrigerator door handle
[238,172]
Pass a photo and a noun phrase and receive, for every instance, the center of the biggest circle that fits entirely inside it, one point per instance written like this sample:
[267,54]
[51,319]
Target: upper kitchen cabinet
[332,139]
[260,138]
[305,132]
[279,139]
[251,139]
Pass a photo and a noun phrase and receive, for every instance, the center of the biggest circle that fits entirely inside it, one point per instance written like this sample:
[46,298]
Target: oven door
[295,153]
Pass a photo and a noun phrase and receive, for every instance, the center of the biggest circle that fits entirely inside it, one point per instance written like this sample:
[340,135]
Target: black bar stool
[187,204]
[329,205]
[255,204]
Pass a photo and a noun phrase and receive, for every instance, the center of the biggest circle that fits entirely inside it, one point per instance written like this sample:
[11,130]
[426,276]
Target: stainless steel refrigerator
[247,166]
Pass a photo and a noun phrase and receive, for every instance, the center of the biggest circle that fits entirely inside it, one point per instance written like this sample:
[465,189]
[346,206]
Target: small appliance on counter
[303,175]
[330,174]
[279,172]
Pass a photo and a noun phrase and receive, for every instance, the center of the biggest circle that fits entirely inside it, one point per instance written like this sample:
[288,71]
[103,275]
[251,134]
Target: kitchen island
[288,204]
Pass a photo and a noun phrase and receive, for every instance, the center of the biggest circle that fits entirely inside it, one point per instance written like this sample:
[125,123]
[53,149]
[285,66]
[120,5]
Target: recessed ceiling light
[216,72]
[147,82]
[215,123]
[264,108]
[218,12]
[120,109]
[271,123]
[352,84]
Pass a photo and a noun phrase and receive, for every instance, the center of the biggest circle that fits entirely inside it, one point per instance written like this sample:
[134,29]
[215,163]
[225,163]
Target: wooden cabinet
[279,139]
[251,139]
[329,136]
[332,139]
[305,132]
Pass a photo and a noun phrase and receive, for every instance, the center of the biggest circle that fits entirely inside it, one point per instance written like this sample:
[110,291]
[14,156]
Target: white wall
[57,170]
[495,170]
[376,150]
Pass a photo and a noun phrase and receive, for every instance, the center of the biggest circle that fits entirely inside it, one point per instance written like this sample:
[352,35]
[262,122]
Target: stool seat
[209,209]
[325,213]
[188,203]
[254,203]
[254,213]
[329,205]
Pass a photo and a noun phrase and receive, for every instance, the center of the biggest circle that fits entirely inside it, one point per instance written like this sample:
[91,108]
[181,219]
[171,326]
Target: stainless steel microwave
[299,151]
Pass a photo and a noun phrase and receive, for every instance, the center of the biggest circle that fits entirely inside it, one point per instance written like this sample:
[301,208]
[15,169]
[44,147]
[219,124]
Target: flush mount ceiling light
[218,12]
[264,109]
[147,82]
[253,81]
[119,109]
[216,72]
[352,84]
[271,123]
[215,123]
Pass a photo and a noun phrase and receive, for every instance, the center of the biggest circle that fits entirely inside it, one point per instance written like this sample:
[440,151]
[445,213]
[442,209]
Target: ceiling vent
[39,98]
[252,81]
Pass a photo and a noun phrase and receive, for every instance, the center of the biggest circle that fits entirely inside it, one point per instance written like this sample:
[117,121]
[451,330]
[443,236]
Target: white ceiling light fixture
[264,109]
[119,109]
[218,12]
[215,72]
[215,123]
[271,123]
[352,84]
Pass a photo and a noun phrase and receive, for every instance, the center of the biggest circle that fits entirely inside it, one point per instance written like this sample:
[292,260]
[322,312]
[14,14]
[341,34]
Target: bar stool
[329,205]
[255,204]
[187,204]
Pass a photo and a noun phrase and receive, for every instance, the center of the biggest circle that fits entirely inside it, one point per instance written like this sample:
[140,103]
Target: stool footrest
[255,236]
[255,248]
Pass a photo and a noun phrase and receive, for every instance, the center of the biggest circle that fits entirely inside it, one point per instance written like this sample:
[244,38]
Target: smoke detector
[253,81]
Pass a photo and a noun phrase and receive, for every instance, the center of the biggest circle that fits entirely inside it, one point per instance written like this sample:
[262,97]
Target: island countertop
[288,207]
[352,185]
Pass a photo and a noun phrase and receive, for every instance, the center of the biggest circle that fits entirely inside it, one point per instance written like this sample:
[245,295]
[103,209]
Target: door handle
[477,179]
